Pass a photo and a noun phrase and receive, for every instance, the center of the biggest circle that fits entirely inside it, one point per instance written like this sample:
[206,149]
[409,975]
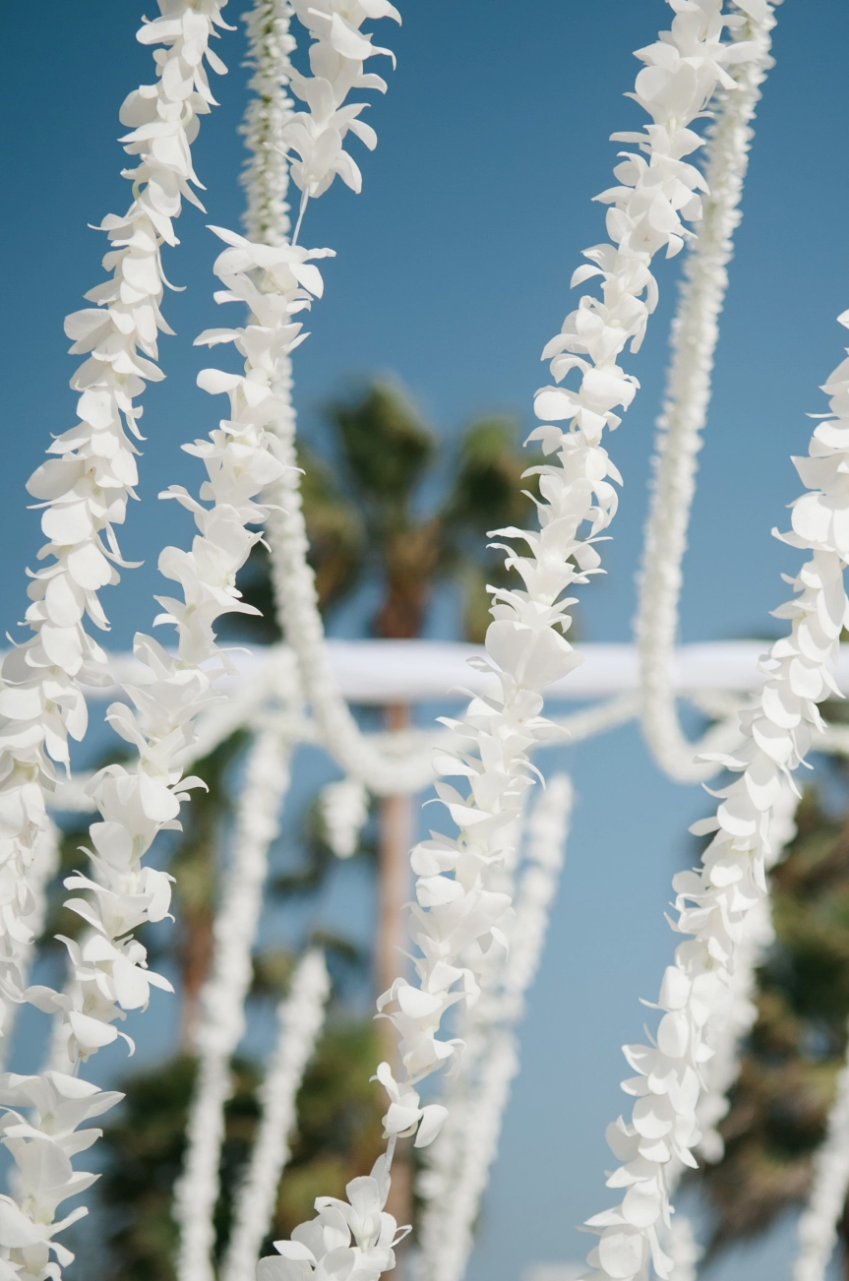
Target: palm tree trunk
[196,958]
[395,839]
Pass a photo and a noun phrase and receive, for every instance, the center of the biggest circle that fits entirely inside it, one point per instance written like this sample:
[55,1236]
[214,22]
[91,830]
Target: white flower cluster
[109,969]
[458,918]
[266,174]
[42,1144]
[715,903]
[84,490]
[339,49]
[323,1249]
[344,811]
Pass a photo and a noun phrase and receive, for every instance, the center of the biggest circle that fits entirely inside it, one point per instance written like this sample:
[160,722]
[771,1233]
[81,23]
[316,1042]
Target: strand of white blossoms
[84,491]
[272,127]
[716,903]
[42,869]
[457,918]
[265,176]
[817,1229]
[724,1067]
[300,1018]
[695,332]
[337,58]
[222,1020]
[110,968]
[458,1163]
[732,1026]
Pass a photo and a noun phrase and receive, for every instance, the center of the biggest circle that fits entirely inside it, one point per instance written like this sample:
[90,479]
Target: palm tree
[780,1104]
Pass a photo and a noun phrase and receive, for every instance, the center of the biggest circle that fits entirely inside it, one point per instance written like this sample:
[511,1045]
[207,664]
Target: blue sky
[452,271]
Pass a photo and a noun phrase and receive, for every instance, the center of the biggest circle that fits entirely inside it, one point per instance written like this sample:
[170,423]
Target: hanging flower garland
[457,917]
[272,129]
[344,813]
[265,177]
[222,1021]
[84,490]
[109,971]
[458,1163]
[695,332]
[723,1069]
[818,1224]
[42,869]
[715,904]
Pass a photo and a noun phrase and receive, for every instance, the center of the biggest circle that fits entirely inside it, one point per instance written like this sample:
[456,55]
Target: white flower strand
[337,54]
[109,968]
[457,918]
[222,1021]
[344,812]
[724,1068]
[715,903]
[84,491]
[458,1162]
[451,1231]
[42,869]
[817,1230]
[337,59]
[300,1018]
[684,1250]
[695,333]
[721,1071]
[266,174]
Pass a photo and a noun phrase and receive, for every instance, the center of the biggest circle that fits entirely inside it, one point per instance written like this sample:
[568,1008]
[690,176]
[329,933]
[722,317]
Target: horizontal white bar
[416,671]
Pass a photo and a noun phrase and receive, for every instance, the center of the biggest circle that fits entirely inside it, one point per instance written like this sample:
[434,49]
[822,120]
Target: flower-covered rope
[300,1018]
[732,1027]
[344,812]
[85,489]
[723,1069]
[222,1020]
[265,176]
[271,128]
[109,972]
[458,1163]
[695,332]
[717,903]
[458,918]
[336,57]
[684,1250]
[42,869]
[818,1224]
